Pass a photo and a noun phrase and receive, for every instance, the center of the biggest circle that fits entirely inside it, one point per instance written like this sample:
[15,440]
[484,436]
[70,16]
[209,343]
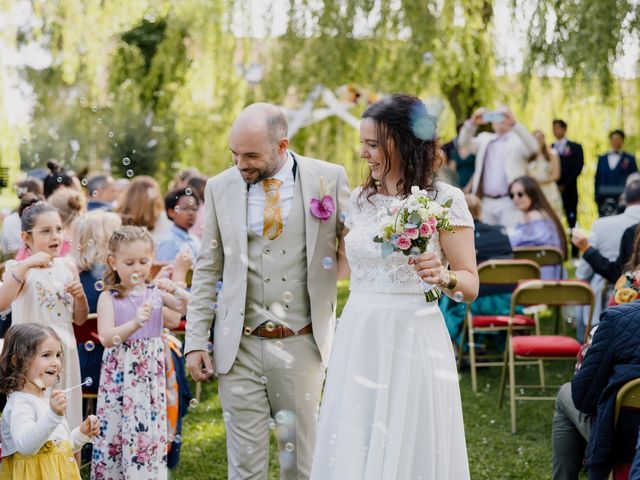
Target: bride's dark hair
[405,120]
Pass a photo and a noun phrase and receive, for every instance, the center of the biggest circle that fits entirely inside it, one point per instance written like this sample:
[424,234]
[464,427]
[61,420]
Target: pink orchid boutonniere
[325,206]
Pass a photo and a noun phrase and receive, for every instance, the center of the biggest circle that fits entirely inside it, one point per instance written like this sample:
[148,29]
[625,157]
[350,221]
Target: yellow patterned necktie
[272,212]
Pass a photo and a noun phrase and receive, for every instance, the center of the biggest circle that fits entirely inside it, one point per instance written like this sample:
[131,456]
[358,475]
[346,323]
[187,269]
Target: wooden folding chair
[628,397]
[495,272]
[541,347]
[545,256]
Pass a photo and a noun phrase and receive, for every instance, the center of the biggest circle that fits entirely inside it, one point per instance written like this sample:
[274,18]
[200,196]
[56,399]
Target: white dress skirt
[391,407]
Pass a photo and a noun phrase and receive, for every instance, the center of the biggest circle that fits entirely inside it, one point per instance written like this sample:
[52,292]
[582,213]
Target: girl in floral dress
[131,398]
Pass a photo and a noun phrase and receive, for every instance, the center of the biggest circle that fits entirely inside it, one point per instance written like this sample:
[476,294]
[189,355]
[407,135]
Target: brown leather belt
[273,330]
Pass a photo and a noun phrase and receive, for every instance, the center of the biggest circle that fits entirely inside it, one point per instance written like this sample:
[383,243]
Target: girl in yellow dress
[37,443]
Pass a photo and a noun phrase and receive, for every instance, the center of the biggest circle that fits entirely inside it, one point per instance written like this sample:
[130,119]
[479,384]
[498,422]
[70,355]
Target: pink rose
[411,232]
[402,242]
[429,227]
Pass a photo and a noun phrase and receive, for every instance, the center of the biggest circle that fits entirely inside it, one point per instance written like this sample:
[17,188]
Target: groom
[266,279]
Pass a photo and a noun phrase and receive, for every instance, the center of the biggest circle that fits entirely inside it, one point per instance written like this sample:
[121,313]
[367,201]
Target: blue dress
[537,233]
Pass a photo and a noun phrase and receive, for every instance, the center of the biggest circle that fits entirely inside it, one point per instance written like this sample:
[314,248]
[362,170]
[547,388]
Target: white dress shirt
[614,159]
[257,197]
[560,145]
[494,178]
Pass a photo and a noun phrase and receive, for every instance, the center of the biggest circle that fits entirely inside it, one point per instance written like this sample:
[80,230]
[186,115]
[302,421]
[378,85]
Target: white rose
[434,208]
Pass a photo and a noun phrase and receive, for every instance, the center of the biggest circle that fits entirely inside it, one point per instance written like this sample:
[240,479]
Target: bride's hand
[429,268]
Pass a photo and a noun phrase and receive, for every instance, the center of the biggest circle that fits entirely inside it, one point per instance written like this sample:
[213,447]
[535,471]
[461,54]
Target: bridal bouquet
[409,224]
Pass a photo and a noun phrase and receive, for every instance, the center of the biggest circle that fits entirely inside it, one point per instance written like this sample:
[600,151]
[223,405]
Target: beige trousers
[273,384]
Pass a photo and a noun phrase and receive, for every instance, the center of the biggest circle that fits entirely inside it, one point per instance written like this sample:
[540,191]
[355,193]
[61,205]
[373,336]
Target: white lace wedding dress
[391,407]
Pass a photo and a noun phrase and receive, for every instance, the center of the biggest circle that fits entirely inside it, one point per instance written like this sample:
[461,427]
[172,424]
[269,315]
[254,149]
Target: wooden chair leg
[472,360]
[512,388]
[541,371]
[503,374]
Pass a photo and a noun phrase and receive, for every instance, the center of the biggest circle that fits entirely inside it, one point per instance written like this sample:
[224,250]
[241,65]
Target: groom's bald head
[263,118]
[258,141]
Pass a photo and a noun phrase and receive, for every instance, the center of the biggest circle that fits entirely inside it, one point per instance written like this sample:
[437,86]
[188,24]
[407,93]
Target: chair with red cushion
[538,347]
[495,272]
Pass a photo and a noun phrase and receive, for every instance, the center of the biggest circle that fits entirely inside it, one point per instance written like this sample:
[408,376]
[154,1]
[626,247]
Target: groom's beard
[262,173]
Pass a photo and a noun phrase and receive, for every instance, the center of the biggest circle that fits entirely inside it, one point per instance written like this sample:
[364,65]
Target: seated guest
[585,407]
[181,208]
[613,169]
[606,233]
[102,192]
[492,242]
[609,269]
[539,225]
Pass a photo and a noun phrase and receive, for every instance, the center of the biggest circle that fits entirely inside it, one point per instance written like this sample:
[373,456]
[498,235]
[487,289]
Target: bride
[391,407]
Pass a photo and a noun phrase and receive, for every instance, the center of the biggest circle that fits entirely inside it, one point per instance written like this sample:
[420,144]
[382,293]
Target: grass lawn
[494,453]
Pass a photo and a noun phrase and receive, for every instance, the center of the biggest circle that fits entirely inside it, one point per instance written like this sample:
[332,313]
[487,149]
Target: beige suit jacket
[223,257]
[521,145]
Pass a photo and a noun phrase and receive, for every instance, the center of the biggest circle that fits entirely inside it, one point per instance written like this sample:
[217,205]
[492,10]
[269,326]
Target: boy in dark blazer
[613,169]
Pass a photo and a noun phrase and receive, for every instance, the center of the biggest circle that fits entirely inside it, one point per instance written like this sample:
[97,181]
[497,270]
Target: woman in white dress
[391,407]
[544,166]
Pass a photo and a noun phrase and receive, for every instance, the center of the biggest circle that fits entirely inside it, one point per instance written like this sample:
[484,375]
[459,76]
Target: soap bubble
[126,161]
[327,263]
[264,380]
[193,403]
[188,191]
[289,447]
[88,381]
[214,243]
[117,340]
[99,285]
[458,296]
[129,173]
[89,346]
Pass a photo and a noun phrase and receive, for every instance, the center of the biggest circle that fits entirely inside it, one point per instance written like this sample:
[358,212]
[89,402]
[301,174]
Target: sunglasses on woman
[516,194]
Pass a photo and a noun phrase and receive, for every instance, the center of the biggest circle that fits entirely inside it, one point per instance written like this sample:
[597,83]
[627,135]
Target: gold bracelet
[453,281]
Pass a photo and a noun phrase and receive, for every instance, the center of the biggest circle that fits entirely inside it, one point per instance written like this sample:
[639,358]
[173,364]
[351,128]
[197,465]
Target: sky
[510,44]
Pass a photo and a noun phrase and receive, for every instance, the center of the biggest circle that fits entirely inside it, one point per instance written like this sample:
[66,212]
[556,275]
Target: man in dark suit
[571,163]
[613,169]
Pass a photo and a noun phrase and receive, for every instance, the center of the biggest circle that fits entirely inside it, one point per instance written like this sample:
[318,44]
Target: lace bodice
[372,273]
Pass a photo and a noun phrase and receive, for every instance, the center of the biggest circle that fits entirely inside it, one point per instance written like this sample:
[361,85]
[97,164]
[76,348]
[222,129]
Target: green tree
[581,38]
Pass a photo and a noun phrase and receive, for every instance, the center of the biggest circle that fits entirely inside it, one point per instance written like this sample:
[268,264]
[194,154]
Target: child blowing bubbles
[37,441]
[46,288]
[131,398]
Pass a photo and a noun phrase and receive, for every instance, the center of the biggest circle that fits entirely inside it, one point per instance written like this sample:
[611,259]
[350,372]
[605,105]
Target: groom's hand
[200,365]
